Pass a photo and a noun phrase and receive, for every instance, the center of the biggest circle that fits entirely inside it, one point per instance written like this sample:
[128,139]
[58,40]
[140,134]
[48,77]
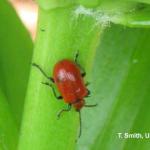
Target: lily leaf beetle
[68,77]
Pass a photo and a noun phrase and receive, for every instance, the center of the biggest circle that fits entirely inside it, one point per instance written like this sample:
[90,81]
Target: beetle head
[79,104]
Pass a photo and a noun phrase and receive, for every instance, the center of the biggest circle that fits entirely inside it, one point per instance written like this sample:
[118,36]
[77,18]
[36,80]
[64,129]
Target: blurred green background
[113,40]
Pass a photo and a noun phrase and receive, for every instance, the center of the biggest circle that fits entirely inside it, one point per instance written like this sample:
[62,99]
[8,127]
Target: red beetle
[69,81]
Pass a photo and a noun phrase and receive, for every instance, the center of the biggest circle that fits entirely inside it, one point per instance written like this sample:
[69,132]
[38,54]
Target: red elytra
[68,79]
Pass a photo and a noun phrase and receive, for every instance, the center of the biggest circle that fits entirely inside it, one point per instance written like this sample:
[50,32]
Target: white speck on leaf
[135,61]
[99,16]
[102,17]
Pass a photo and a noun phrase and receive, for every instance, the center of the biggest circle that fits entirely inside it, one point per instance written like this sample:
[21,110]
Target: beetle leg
[64,110]
[90,105]
[83,74]
[48,84]
[42,71]
[87,83]
[76,57]
[88,93]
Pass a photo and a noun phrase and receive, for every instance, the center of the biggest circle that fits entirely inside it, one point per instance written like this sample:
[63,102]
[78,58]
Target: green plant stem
[60,35]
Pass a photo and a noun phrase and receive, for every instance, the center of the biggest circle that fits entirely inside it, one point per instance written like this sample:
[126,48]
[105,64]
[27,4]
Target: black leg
[46,83]
[83,74]
[76,57]
[87,83]
[64,110]
[37,66]
[88,94]
[90,105]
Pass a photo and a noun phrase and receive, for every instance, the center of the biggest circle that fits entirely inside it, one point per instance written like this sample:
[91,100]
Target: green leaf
[58,37]
[136,17]
[8,128]
[52,4]
[120,86]
[116,60]
[130,13]
[15,58]
[127,14]
[143,1]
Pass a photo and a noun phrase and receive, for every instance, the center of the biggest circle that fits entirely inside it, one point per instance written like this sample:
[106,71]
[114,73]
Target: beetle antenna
[80,121]
[90,105]
[80,129]
[76,57]
[42,71]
